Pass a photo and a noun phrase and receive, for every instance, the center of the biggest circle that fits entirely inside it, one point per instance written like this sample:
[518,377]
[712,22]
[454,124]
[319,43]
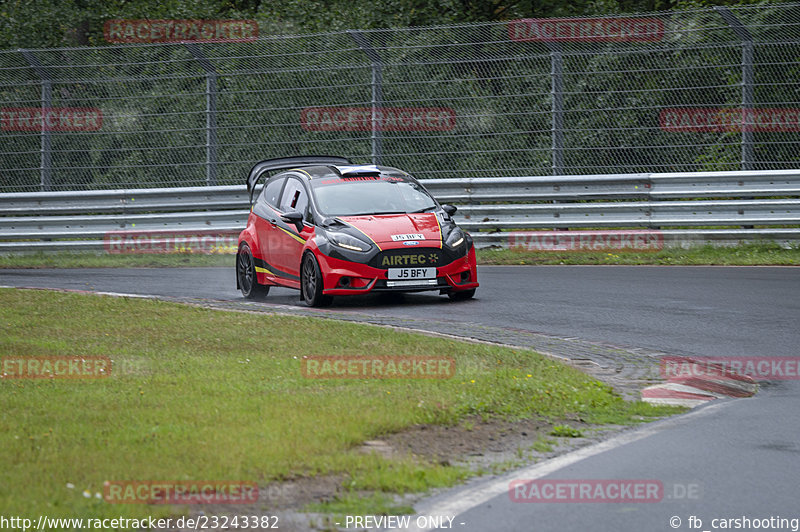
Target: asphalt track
[689,310]
[732,459]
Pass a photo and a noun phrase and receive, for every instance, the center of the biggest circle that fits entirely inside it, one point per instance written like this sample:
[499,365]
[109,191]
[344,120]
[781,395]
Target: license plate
[416,283]
[412,236]
[412,273]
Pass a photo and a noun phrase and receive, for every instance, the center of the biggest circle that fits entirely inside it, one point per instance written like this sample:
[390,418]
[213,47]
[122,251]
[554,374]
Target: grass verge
[105,260]
[756,254]
[199,394]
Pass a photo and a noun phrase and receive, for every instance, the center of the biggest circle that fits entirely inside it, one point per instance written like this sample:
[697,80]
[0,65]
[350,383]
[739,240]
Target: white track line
[464,500]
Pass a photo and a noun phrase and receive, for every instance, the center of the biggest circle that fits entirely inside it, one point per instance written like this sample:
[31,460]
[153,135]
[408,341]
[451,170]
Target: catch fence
[708,89]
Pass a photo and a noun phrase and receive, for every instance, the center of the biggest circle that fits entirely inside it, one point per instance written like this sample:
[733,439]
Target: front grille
[408,258]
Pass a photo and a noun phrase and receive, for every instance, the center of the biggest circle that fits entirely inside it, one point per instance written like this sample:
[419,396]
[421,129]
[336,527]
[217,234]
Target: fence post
[748,95]
[46,164]
[557,107]
[377,91]
[211,112]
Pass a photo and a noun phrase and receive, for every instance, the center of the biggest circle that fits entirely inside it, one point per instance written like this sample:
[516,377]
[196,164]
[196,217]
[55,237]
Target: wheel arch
[242,242]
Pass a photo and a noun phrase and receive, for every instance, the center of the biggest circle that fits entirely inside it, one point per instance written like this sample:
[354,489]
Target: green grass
[105,260]
[756,254]
[565,431]
[760,254]
[543,445]
[199,394]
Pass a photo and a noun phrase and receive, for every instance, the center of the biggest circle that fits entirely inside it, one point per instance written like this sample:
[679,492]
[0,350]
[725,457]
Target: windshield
[385,194]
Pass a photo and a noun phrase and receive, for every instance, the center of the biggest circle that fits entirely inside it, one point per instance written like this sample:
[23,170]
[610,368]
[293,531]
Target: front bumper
[346,278]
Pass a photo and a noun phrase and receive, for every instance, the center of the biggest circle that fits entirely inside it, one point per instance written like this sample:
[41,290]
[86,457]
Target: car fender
[249,236]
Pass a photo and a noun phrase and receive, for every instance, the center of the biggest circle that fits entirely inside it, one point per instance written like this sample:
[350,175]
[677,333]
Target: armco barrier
[716,207]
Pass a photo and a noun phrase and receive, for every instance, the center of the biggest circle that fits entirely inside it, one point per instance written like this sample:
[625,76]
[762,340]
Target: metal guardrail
[650,186]
[79,220]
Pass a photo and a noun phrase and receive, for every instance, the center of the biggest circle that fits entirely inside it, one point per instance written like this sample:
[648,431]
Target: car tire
[311,283]
[246,275]
[461,295]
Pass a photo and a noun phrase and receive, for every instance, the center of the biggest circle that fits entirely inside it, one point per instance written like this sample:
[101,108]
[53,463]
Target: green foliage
[565,431]
[543,445]
[153,97]
[55,23]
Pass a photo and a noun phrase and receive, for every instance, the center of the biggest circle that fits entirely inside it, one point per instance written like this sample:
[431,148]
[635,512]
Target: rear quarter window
[272,191]
[294,197]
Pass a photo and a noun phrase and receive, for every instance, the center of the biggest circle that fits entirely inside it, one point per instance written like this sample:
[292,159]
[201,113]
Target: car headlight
[456,238]
[346,241]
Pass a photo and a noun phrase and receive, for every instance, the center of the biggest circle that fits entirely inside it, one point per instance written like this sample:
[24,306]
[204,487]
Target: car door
[266,214]
[286,247]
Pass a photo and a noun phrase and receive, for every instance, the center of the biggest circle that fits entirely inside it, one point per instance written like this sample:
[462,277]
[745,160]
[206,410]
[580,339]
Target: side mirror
[295,218]
[449,209]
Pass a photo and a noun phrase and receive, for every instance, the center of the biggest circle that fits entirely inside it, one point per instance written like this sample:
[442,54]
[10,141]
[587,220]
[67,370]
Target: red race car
[328,227]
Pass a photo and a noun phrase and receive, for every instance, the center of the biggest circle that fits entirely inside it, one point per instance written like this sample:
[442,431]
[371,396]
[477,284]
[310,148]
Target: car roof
[314,166]
[351,170]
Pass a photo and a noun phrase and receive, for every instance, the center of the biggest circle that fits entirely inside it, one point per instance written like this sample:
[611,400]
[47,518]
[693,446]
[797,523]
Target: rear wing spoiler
[287,163]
